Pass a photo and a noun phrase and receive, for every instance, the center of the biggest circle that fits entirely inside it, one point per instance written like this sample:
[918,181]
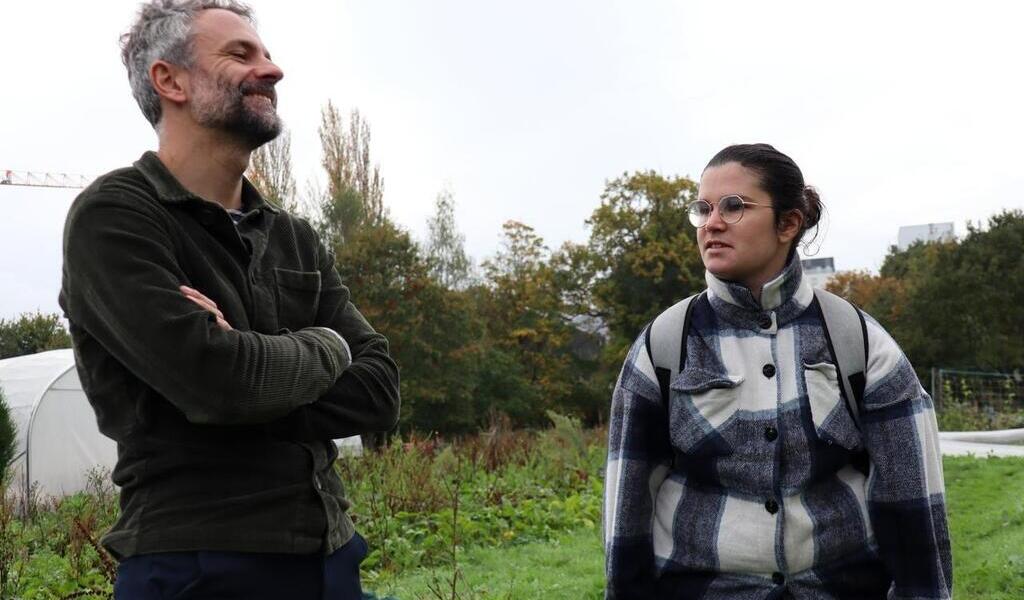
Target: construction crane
[41,179]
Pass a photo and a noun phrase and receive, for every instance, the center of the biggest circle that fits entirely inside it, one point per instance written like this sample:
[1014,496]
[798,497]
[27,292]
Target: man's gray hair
[163,31]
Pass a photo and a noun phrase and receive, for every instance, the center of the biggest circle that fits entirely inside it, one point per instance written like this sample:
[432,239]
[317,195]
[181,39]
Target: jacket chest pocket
[298,297]
[833,422]
[700,402]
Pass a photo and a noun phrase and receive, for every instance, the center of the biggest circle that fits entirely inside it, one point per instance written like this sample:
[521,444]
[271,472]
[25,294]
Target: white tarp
[58,442]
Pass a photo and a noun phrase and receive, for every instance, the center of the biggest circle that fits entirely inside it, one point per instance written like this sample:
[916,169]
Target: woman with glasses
[747,475]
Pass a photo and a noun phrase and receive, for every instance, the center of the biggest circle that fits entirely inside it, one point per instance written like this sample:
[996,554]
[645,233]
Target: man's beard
[218,105]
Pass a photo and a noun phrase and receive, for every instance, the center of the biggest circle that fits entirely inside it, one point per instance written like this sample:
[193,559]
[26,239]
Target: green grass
[986,513]
[986,519]
[570,567]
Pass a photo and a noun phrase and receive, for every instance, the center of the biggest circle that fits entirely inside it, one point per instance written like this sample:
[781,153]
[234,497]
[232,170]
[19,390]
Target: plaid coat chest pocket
[700,402]
[833,422]
[298,298]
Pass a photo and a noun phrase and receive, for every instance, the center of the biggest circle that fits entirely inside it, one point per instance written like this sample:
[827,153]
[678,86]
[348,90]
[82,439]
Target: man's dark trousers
[237,575]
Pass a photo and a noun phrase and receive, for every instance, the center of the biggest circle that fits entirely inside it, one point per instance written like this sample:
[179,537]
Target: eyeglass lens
[730,209]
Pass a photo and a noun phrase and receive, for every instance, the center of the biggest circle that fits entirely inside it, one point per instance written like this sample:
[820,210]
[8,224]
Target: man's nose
[269,71]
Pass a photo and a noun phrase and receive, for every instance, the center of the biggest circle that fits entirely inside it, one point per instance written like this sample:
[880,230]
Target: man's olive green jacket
[224,437]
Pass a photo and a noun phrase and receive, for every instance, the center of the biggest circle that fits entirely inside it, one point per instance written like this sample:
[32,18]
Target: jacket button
[778,578]
[766,322]
[771,434]
[768,370]
[771,506]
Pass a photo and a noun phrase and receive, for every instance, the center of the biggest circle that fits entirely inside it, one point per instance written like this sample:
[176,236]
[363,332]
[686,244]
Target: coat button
[765,322]
[771,434]
[768,370]
[771,506]
[778,578]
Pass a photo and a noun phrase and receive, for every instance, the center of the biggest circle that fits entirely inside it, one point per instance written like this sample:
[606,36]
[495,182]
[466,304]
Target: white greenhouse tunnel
[58,443]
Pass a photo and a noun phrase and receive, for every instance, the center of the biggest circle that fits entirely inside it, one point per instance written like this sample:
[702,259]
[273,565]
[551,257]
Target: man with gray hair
[214,337]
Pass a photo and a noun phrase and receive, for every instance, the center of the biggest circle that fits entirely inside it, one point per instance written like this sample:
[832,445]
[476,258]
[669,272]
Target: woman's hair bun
[814,207]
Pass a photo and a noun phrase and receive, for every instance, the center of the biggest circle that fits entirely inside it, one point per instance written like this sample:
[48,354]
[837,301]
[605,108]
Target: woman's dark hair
[781,178]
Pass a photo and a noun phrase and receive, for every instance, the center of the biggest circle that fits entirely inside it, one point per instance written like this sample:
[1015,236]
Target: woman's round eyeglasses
[730,209]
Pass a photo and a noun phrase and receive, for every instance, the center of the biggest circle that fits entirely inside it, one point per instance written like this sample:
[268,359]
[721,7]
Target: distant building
[929,232]
[818,270]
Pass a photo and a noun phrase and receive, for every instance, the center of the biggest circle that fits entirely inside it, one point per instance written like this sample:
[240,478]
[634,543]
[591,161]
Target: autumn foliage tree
[885,295]
[644,251]
[355,188]
[433,331]
[525,320]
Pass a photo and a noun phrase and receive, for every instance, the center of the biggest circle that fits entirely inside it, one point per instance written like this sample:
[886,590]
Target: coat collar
[169,189]
[787,296]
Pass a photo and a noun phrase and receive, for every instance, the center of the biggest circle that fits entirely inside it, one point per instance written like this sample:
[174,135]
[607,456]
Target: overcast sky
[900,113]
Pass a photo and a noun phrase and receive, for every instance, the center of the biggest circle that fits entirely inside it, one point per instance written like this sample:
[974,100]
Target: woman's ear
[791,223]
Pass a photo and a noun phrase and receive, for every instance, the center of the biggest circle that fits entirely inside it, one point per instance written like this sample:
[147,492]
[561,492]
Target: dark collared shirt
[224,437]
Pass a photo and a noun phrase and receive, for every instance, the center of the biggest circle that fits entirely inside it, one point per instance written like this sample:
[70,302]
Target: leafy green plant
[8,438]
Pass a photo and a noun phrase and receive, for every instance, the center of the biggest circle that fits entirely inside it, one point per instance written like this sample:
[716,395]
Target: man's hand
[206,304]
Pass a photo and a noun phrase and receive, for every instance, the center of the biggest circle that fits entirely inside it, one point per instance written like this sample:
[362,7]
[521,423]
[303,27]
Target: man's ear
[791,223]
[169,81]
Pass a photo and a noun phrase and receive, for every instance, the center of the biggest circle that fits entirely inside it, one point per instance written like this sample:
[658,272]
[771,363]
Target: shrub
[8,433]
[31,333]
[956,415]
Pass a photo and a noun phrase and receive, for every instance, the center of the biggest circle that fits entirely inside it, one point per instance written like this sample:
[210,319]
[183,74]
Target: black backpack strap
[847,335]
[666,339]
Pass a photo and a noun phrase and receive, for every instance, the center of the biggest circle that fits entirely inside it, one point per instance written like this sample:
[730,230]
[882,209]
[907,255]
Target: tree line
[952,304]
[534,328]
[530,328]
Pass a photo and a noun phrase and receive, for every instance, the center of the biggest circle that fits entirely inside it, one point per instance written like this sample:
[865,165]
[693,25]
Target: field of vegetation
[422,505]
[505,514]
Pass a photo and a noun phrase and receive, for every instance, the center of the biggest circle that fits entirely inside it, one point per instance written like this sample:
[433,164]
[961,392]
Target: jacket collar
[169,190]
[787,295]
